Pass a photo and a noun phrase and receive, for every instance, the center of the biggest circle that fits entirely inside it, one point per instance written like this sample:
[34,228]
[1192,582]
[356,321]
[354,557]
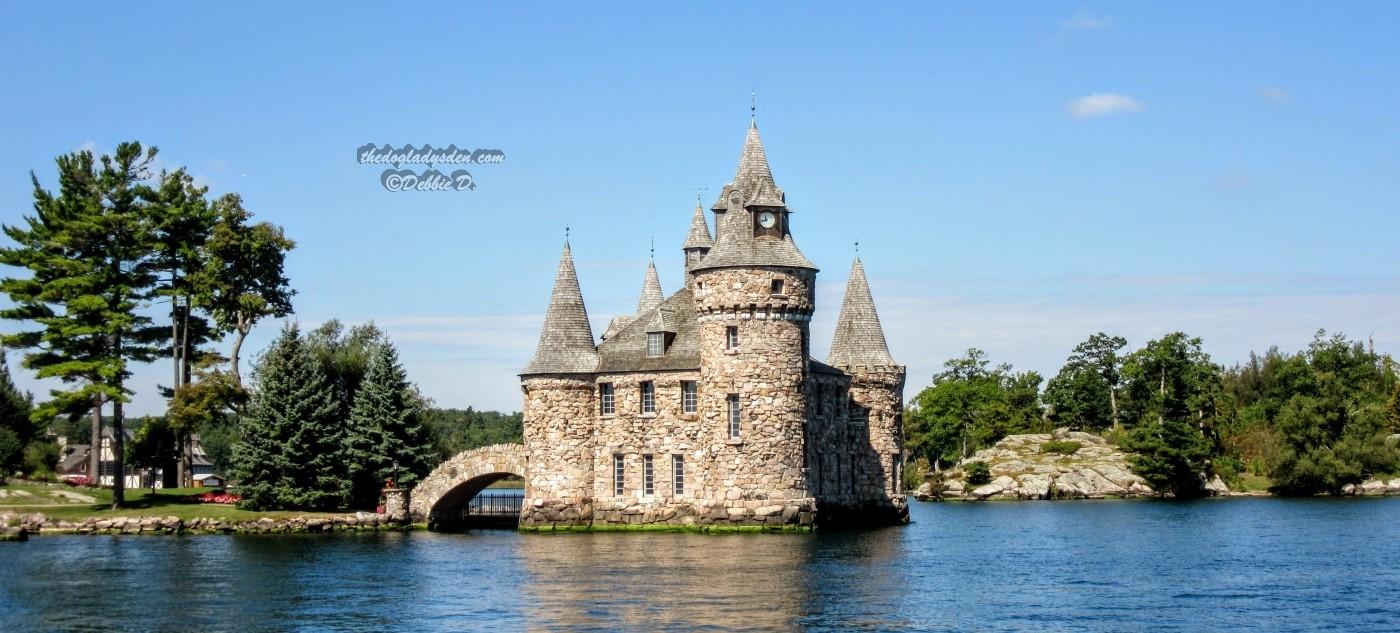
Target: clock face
[767,220]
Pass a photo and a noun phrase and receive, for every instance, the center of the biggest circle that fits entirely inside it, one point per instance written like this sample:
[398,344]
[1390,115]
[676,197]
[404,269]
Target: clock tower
[754,297]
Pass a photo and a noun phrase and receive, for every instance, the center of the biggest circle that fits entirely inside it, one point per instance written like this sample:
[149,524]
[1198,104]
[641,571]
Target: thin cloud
[1103,104]
[1085,21]
[1274,94]
[1233,180]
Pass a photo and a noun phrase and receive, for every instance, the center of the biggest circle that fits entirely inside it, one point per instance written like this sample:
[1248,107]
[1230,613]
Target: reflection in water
[1261,564]
[664,581]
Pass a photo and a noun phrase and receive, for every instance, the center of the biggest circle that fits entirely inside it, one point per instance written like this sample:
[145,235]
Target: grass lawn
[143,502]
[1249,482]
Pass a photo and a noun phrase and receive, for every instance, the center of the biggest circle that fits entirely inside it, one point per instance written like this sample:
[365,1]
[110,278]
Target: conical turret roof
[753,172]
[651,291]
[859,338]
[699,236]
[753,186]
[566,340]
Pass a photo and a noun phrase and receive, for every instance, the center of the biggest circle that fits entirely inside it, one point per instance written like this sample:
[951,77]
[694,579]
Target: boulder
[1034,487]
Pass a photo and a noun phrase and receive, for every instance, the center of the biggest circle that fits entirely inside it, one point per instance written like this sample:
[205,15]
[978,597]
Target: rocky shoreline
[26,524]
[1023,467]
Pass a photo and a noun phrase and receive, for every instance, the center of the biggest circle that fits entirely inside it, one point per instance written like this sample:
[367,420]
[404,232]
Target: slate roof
[566,340]
[699,236]
[735,245]
[627,349]
[651,290]
[859,339]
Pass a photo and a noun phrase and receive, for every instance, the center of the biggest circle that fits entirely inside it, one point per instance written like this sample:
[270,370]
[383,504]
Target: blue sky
[1019,176]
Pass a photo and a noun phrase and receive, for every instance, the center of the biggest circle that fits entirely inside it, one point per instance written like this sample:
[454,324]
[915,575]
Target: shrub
[1060,447]
[977,473]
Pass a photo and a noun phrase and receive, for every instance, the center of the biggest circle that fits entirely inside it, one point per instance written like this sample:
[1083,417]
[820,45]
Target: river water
[1213,565]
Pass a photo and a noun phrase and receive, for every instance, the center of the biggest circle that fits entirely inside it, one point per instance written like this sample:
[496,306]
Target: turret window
[733,401]
[777,286]
[606,403]
[731,337]
[648,397]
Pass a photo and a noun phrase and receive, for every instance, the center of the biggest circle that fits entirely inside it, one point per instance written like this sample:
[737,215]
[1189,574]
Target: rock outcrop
[1020,469]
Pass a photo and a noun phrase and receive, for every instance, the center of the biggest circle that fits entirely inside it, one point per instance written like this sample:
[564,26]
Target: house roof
[627,349]
[74,458]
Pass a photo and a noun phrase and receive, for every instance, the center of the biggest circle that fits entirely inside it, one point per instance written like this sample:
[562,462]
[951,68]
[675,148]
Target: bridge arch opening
[466,507]
[452,496]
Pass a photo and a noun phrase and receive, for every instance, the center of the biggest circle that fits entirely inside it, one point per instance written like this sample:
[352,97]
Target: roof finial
[653,246]
[566,231]
[753,106]
[857,248]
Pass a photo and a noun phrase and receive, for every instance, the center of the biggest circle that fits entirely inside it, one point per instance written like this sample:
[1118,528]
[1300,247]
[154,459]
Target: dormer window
[656,343]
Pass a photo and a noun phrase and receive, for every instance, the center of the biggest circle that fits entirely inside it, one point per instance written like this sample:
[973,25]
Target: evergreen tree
[386,438]
[1084,395]
[289,451]
[181,222]
[16,428]
[1172,387]
[86,250]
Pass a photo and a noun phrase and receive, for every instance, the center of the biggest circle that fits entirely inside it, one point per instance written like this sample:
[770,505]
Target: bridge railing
[493,506]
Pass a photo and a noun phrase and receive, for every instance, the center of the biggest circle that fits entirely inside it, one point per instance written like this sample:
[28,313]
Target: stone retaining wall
[37,523]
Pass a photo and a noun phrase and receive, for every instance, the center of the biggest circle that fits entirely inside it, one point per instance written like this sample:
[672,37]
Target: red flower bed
[223,498]
[80,481]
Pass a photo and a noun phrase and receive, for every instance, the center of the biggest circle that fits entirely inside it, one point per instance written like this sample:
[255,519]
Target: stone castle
[705,409]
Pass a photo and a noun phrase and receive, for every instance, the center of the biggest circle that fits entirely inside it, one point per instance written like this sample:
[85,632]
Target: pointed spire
[566,340]
[753,173]
[859,338]
[651,291]
[699,236]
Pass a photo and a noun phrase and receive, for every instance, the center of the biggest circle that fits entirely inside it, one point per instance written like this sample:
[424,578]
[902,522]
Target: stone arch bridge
[439,498]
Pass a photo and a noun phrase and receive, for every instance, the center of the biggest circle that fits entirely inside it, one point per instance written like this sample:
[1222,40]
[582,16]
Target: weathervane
[753,104]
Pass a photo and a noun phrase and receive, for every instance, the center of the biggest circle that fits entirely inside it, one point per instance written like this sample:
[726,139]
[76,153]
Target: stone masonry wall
[767,371]
[559,414]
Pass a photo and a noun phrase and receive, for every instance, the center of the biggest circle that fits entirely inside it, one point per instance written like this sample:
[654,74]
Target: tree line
[1305,423]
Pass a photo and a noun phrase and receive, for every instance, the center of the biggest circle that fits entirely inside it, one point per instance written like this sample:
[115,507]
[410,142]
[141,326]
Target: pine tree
[86,251]
[16,428]
[289,452]
[387,438]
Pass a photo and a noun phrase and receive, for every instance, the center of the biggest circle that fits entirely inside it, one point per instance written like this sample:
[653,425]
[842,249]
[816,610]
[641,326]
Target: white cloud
[1085,21]
[1103,104]
[1274,94]
[87,146]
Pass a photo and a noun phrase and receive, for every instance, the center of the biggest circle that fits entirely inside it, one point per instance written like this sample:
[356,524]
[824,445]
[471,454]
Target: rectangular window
[731,337]
[619,470]
[733,415]
[777,286]
[689,400]
[648,397]
[656,343]
[647,487]
[605,399]
[678,475]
